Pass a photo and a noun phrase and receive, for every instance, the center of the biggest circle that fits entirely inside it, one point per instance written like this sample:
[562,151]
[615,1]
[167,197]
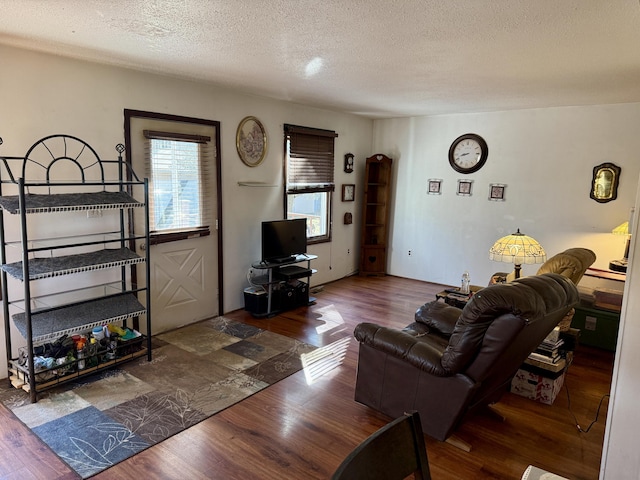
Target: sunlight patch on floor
[331,318]
[324,359]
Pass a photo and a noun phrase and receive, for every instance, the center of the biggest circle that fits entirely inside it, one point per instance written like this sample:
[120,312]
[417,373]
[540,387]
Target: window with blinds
[309,178]
[177,171]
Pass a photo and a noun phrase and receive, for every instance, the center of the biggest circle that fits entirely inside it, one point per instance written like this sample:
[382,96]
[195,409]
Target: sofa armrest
[420,351]
[438,316]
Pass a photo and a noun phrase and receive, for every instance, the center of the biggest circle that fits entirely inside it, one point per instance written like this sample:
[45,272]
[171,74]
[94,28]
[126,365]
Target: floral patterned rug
[196,372]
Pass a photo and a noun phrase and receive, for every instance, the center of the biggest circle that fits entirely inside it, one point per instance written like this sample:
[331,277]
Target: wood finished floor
[294,430]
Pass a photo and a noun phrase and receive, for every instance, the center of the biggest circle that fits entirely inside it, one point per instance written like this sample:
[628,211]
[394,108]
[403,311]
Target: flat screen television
[283,239]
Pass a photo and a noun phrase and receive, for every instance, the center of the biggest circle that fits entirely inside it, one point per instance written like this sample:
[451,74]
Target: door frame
[128,115]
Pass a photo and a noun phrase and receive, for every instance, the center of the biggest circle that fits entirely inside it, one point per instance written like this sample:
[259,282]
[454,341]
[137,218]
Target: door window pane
[175,192]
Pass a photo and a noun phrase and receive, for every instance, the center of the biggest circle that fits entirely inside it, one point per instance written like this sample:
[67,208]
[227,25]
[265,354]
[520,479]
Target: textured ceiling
[378,58]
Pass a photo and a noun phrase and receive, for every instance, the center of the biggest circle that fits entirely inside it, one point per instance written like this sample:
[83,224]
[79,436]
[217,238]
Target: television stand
[286,286]
[282,260]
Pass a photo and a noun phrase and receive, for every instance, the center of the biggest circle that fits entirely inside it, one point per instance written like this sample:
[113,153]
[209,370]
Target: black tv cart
[286,286]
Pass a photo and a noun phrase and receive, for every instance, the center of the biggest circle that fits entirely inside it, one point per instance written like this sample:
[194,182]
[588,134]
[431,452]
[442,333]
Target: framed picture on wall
[348,192]
[496,192]
[434,186]
[464,188]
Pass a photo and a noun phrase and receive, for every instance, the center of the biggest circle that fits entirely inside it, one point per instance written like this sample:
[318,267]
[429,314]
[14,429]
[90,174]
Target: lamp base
[517,270]
[618,266]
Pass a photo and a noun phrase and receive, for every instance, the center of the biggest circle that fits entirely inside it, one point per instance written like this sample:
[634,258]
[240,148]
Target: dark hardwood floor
[297,430]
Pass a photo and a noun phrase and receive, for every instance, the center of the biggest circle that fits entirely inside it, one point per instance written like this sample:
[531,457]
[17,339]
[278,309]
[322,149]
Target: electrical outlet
[409,252]
[348,251]
[590,323]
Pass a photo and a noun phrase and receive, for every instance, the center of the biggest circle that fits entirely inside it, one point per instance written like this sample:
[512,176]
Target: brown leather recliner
[451,361]
[571,263]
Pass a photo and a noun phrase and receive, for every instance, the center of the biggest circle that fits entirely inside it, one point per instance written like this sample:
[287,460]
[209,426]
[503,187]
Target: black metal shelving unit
[100,185]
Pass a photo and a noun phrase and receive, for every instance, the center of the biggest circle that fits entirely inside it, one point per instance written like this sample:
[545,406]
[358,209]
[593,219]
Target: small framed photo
[496,192]
[464,187]
[434,186]
[348,192]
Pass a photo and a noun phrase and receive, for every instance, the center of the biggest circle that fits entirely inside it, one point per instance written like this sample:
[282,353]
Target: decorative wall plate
[251,141]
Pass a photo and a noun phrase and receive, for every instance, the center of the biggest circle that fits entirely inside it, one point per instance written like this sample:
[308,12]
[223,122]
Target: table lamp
[518,249]
[621,265]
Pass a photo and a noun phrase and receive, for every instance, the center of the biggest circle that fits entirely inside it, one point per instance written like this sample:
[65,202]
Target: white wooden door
[184,273]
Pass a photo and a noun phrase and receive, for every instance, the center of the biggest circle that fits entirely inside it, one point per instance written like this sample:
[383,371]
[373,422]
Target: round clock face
[468,153]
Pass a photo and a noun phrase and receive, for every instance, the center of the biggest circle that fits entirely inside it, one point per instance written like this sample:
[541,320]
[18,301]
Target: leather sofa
[450,362]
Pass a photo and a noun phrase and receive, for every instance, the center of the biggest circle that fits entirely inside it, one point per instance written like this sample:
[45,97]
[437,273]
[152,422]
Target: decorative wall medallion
[604,185]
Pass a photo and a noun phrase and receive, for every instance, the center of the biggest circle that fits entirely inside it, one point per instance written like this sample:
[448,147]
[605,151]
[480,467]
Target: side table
[598,326]
[453,297]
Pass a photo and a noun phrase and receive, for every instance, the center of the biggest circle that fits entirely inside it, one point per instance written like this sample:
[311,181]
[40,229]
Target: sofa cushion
[438,316]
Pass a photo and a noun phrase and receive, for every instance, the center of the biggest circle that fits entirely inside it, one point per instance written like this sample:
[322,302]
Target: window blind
[310,156]
[178,167]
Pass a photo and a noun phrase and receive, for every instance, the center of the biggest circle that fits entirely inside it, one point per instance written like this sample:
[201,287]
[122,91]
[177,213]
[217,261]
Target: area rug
[196,371]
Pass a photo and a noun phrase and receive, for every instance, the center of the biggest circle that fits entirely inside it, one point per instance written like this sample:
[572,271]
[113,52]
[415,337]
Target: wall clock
[468,153]
[348,162]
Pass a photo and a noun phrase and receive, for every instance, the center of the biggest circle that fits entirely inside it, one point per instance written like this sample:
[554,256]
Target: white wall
[42,95]
[546,158]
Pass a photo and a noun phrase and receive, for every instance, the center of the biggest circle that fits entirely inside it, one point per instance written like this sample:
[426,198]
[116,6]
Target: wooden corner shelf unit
[375,218]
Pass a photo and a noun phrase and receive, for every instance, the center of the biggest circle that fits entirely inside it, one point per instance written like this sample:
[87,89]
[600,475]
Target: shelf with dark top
[70,264]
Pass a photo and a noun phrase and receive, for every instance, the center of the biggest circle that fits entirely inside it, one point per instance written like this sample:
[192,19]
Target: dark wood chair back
[394,452]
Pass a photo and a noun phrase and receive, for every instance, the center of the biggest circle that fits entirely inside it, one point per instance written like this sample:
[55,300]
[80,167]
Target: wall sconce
[348,162]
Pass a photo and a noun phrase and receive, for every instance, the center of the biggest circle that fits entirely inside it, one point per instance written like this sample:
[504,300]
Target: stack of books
[549,354]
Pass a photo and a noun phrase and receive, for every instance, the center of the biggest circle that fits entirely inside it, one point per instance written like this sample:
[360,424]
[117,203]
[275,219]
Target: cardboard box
[537,384]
